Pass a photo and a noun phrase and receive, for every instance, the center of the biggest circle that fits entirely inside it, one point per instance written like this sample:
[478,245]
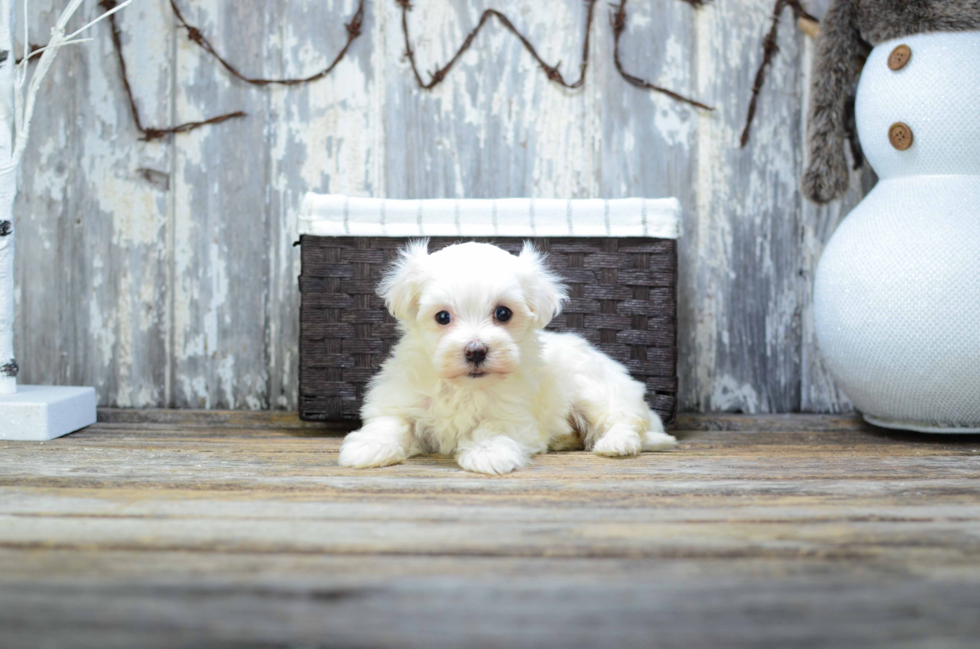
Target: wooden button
[900,135]
[899,57]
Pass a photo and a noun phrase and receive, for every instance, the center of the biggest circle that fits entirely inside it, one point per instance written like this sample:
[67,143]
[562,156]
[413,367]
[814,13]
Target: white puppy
[475,375]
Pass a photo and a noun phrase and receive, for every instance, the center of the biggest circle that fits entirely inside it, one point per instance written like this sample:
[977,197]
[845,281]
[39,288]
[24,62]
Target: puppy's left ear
[543,289]
[402,285]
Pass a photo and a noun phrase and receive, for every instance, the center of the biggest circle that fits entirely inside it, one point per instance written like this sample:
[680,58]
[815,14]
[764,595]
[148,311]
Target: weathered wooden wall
[164,274]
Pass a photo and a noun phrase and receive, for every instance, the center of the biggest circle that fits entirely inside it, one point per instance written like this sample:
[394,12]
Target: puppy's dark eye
[502,314]
[443,318]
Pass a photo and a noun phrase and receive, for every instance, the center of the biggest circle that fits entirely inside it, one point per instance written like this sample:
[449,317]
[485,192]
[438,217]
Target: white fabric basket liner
[333,215]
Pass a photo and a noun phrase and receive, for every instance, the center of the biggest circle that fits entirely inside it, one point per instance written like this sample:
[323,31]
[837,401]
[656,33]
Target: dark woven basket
[623,300]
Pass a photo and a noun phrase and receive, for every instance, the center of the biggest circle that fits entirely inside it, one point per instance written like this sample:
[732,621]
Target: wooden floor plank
[290,420]
[477,602]
[190,529]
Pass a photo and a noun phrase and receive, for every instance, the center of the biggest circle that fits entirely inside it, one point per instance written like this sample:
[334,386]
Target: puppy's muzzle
[476,353]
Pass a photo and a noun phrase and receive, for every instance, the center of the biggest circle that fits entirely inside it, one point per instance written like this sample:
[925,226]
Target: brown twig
[769,50]
[617,19]
[34,48]
[195,35]
[439,74]
[150,132]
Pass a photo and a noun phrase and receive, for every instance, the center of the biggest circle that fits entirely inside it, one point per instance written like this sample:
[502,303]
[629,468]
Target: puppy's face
[472,305]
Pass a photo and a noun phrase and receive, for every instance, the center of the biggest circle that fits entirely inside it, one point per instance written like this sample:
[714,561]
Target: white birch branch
[24,112]
[16,112]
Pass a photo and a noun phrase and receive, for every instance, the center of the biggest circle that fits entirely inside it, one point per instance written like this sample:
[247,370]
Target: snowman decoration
[897,290]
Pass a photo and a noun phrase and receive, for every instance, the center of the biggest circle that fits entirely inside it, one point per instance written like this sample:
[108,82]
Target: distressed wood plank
[324,137]
[496,127]
[217,419]
[719,496]
[93,215]
[476,602]
[221,216]
[747,354]
[649,141]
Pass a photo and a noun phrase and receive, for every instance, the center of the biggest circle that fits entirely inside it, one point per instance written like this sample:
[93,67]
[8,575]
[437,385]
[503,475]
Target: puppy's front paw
[618,441]
[494,456]
[360,451]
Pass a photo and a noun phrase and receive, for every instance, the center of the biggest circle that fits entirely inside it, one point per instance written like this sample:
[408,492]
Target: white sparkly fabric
[897,294]
[937,95]
[330,215]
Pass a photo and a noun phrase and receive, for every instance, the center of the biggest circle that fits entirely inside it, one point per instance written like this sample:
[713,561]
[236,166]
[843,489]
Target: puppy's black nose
[476,353]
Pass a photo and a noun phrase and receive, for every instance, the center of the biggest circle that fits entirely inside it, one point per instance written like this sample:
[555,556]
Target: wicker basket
[623,300]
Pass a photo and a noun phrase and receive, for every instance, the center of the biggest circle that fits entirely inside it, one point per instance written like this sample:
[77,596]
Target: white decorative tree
[33,413]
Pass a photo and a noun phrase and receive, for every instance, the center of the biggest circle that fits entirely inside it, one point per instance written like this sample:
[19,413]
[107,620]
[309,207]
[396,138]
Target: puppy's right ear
[401,286]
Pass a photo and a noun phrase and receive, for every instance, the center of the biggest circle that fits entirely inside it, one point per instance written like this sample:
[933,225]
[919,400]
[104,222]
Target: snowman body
[897,290]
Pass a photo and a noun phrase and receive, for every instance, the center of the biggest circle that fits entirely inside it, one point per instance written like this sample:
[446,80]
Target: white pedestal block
[36,413]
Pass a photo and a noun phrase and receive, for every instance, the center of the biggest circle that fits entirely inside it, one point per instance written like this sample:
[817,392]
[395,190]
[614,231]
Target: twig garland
[769,50]
[196,36]
[617,19]
[439,74]
[149,132]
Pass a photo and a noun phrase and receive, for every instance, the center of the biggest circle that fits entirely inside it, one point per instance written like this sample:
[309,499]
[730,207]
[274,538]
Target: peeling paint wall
[164,273]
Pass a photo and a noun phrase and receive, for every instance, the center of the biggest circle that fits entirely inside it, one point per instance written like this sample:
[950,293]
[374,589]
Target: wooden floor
[156,529]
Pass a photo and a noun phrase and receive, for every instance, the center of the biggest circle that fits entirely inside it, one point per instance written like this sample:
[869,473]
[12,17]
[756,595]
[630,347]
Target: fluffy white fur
[534,391]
